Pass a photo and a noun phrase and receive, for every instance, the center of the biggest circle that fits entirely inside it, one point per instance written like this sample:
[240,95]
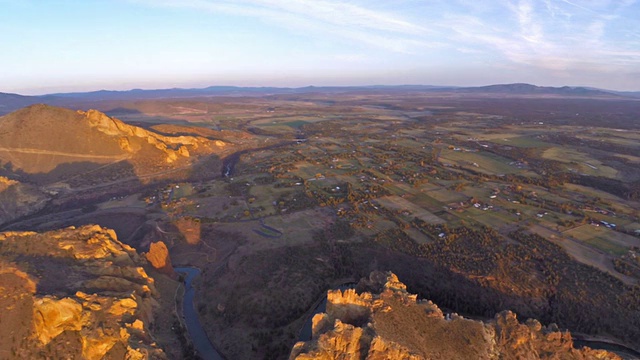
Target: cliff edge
[74,294]
[381,320]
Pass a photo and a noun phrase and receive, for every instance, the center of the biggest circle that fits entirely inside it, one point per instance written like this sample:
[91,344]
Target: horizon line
[314,86]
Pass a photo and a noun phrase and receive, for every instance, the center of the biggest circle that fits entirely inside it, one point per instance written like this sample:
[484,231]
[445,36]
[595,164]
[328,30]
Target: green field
[602,238]
[486,163]
[521,141]
[446,196]
[580,162]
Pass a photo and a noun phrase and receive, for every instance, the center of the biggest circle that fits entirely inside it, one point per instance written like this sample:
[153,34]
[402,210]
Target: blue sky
[78,45]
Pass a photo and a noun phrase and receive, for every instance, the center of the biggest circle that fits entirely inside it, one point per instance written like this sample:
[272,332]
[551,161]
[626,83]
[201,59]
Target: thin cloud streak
[550,37]
[554,34]
[341,20]
[579,6]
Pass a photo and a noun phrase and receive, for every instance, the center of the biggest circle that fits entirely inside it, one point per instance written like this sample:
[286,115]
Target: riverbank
[198,335]
[599,342]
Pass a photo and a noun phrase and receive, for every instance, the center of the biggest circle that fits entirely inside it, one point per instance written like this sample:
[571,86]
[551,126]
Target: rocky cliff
[381,320]
[74,294]
[172,146]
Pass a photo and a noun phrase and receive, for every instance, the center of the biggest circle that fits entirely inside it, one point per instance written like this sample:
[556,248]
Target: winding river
[198,336]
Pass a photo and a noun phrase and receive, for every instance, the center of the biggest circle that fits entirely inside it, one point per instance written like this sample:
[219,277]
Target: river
[622,351]
[198,336]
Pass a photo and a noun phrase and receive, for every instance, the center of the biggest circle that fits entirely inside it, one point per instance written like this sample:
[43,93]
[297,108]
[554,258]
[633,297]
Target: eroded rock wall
[381,320]
[74,293]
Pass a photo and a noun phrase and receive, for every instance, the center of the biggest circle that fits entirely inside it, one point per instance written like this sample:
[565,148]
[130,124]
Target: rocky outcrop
[173,146]
[5,183]
[18,199]
[158,256]
[381,320]
[74,293]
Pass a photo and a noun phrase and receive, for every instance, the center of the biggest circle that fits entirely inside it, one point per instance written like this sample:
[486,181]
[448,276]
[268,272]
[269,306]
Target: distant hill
[234,91]
[518,88]
[528,89]
[11,102]
[635,94]
[173,93]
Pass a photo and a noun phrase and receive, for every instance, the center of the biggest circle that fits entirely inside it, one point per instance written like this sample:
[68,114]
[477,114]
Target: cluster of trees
[526,265]
[616,187]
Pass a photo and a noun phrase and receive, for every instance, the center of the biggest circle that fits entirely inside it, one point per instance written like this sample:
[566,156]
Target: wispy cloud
[558,35]
[340,19]
[579,6]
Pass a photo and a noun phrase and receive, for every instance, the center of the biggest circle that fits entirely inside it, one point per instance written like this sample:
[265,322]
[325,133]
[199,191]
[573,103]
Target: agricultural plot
[446,196]
[617,203]
[427,202]
[481,193]
[481,161]
[632,227]
[492,218]
[306,170]
[626,138]
[417,236]
[630,158]
[265,195]
[519,141]
[580,162]
[396,203]
[182,191]
[603,239]
[589,256]
[377,224]
[128,202]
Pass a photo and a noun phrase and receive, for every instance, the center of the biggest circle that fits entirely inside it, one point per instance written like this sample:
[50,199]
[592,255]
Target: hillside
[41,138]
[528,89]
[381,320]
[51,156]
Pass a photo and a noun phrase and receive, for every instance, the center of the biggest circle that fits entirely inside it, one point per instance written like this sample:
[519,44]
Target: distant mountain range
[10,102]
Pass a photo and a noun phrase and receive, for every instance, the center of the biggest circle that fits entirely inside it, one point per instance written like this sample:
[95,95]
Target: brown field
[397,203]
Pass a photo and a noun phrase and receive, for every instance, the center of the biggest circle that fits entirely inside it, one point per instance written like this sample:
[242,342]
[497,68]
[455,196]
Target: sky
[49,46]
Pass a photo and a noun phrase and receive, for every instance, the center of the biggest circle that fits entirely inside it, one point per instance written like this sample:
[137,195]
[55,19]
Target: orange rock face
[74,294]
[387,322]
[158,256]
